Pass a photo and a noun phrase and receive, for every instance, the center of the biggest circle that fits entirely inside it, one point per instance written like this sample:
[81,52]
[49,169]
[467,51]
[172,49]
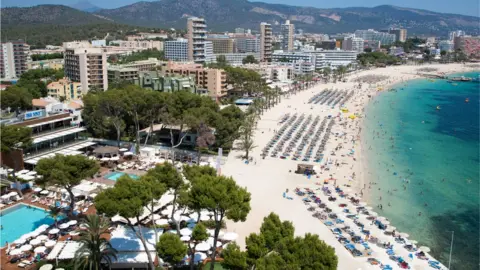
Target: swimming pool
[21,219]
[115,175]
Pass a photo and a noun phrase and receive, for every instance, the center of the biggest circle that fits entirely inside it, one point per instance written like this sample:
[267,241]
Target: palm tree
[94,249]
[54,213]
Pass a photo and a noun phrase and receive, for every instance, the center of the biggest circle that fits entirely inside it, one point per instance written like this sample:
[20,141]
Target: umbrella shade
[20,241]
[35,242]
[368,207]
[186,232]
[53,231]
[26,247]
[44,192]
[72,222]
[15,252]
[161,222]
[128,153]
[185,238]
[42,237]
[210,242]
[46,267]
[50,243]
[63,226]
[424,249]
[37,189]
[41,249]
[230,236]
[123,149]
[203,246]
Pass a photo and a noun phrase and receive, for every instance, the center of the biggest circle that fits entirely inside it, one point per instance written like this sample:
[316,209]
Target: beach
[267,179]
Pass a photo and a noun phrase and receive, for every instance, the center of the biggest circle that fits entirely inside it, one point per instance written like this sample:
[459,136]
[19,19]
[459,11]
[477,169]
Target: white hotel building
[176,50]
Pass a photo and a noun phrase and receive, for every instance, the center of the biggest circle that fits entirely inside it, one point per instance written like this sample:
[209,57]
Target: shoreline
[268,178]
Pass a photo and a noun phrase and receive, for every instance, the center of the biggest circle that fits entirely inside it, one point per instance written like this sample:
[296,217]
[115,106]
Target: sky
[464,7]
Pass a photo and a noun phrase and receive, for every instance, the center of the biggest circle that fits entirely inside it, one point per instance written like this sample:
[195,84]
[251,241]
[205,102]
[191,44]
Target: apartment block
[215,80]
[13,59]
[155,81]
[247,43]
[353,44]
[265,42]
[197,33]
[121,73]
[140,45]
[222,44]
[87,66]
[288,30]
[370,34]
[47,63]
[176,50]
[65,89]
[237,58]
[400,34]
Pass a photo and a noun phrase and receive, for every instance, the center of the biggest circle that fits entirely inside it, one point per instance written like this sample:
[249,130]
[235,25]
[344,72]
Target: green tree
[15,97]
[249,59]
[226,126]
[274,230]
[14,138]
[223,197]
[66,172]
[47,56]
[246,132]
[233,257]
[113,110]
[95,249]
[171,249]
[54,212]
[128,198]
[135,100]
[221,61]
[199,234]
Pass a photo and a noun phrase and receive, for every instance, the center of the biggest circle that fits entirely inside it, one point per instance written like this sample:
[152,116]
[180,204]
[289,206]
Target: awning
[57,135]
[50,122]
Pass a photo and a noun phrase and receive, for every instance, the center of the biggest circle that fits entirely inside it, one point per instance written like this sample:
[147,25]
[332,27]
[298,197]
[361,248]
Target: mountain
[225,15]
[54,24]
[85,6]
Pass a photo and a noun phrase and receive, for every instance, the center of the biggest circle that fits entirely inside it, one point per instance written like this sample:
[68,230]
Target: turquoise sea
[424,162]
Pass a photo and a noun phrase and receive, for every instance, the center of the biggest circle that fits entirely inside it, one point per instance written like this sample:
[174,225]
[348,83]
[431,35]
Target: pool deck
[104,171]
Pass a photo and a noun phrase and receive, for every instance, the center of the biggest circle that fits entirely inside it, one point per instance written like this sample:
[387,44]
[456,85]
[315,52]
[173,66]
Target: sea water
[422,144]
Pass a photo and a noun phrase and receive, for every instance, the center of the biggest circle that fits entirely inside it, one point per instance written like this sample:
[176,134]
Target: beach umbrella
[424,249]
[40,249]
[35,242]
[44,192]
[210,242]
[385,222]
[26,247]
[37,189]
[42,237]
[15,252]
[185,238]
[20,241]
[186,232]
[161,222]
[74,233]
[230,236]
[50,243]
[63,226]
[392,228]
[46,267]
[203,246]
[72,222]
[54,231]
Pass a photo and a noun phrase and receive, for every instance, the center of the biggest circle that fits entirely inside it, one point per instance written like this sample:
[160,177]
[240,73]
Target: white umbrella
[74,233]
[185,238]
[42,237]
[53,231]
[203,246]
[35,242]
[186,232]
[44,192]
[211,232]
[50,243]
[63,226]
[424,249]
[128,153]
[20,241]
[23,171]
[123,149]
[15,252]
[105,159]
[26,247]
[230,236]
[115,158]
[40,249]
[34,234]
[368,207]
[210,242]
[46,267]
[161,222]
[37,189]
[72,222]
[392,228]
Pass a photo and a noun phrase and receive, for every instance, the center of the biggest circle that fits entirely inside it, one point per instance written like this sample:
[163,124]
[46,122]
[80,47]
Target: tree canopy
[137,56]
[249,59]
[171,249]
[15,97]
[47,56]
[15,137]
[372,58]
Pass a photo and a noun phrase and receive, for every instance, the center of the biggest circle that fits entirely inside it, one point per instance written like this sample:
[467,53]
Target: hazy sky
[466,7]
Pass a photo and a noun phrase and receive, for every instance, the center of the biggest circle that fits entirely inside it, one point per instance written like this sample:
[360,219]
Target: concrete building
[370,34]
[372,44]
[99,43]
[353,44]
[265,42]
[76,44]
[144,65]
[13,59]
[274,72]
[141,45]
[237,58]
[121,73]
[176,50]
[468,45]
[222,44]
[446,45]
[48,63]
[215,80]
[288,31]
[334,58]
[209,56]
[458,33]
[87,66]
[197,33]
[328,45]
[281,56]
[400,34]
[247,43]
[65,89]
[155,81]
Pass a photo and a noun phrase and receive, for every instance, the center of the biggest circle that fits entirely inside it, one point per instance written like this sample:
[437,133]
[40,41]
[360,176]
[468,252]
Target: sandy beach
[267,179]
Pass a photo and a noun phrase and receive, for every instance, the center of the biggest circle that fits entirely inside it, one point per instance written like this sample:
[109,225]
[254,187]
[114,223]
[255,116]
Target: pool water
[115,175]
[21,219]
